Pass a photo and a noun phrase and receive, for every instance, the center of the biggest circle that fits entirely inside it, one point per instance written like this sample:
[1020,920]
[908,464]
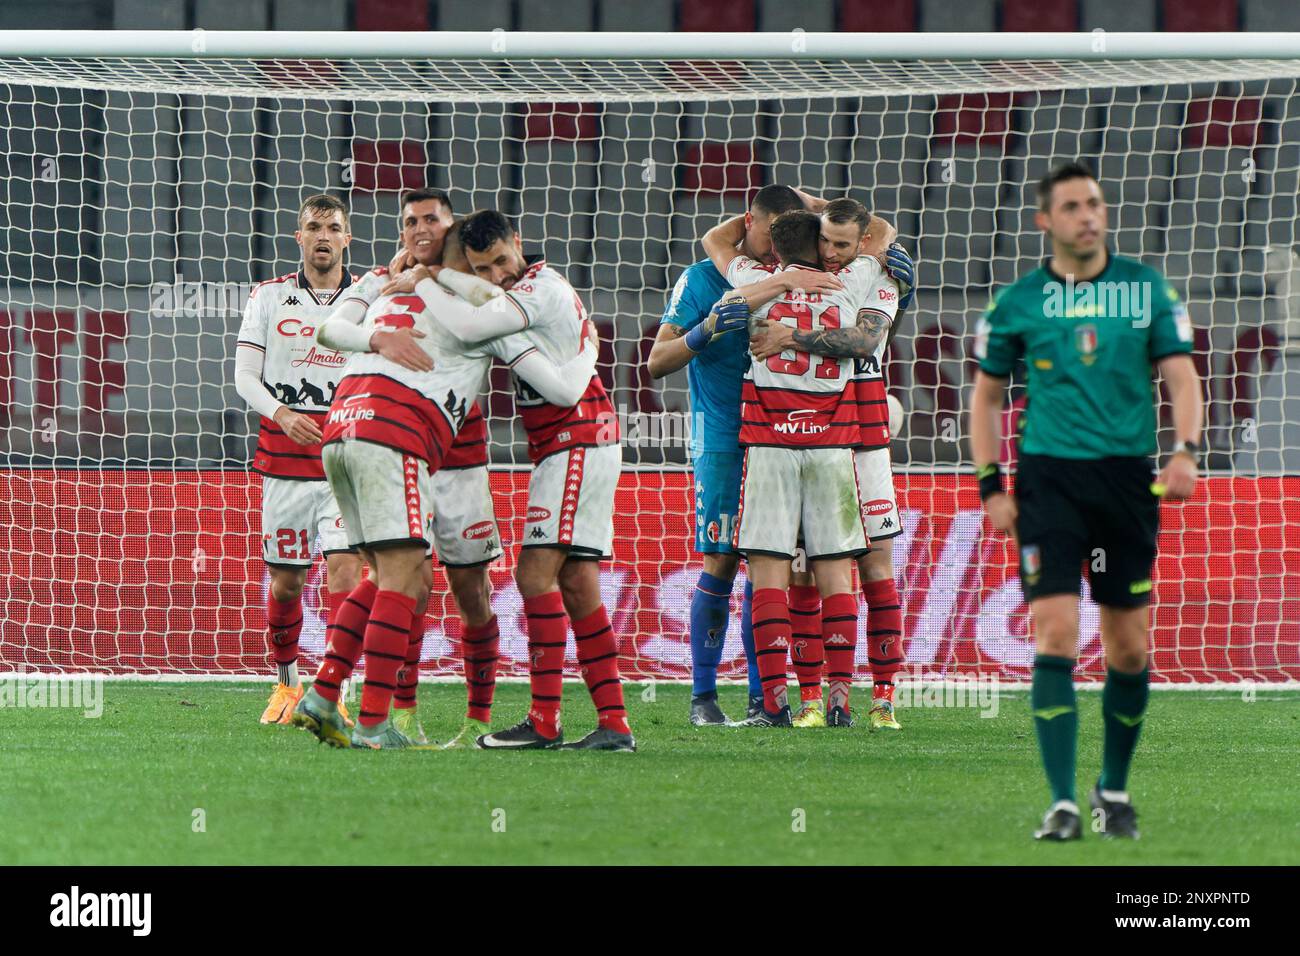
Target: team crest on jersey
[1085,342]
[713,532]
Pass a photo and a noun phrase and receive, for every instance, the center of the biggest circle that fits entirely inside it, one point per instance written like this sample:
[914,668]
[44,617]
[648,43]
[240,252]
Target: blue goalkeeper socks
[747,639]
[710,613]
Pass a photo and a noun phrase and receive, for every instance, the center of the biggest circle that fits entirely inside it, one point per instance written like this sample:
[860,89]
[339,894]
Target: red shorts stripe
[411,482]
[572,491]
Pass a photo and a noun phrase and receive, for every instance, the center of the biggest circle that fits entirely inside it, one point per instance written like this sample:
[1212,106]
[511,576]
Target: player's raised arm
[720,242]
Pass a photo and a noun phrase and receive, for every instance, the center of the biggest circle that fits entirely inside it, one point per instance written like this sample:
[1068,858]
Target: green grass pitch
[1214,782]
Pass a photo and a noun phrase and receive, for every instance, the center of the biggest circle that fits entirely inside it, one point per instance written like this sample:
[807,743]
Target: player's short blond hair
[323,204]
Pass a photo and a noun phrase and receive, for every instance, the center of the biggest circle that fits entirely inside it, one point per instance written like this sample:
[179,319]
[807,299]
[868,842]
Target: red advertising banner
[159,572]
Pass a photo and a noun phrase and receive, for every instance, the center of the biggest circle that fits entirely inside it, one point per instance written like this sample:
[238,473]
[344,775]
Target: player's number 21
[802,314]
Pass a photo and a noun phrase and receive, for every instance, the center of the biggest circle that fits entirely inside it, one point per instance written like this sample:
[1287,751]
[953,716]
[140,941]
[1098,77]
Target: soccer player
[570,525]
[799,428]
[847,233]
[1089,326]
[466,538]
[398,408]
[285,375]
[715,357]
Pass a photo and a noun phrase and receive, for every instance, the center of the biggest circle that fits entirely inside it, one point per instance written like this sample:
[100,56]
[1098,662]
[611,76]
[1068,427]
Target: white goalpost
[151,179]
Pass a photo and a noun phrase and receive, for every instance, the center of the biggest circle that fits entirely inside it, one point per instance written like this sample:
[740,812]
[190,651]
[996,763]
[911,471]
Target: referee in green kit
[1090,327]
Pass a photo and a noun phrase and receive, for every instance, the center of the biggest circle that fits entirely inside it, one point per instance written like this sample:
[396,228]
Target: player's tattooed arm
[669,352]
[860,341]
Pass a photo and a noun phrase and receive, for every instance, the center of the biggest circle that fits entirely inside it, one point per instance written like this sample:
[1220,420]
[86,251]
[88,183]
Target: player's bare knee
[878,563]
[472,589]
[538,570]
[1124,634]
[580,587]
[722,566]
[342,573]
[287,583]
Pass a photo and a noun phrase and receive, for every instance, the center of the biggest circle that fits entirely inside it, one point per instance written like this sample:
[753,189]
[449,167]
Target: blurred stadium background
[107,197]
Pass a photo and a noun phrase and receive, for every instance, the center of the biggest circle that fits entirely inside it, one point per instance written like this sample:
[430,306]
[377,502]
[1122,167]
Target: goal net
[143,196]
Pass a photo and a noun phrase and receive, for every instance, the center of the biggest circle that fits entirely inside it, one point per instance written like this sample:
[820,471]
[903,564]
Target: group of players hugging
[373,442]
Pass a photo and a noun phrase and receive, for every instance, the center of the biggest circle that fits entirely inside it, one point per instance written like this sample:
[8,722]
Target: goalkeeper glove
[729,314]
[901,268]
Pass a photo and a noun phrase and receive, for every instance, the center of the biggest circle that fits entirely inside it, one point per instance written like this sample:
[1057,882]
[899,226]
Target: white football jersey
[281,319]
[796,398]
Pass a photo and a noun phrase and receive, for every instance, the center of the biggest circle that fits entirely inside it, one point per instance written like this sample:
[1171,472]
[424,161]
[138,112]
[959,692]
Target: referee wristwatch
[1189,449]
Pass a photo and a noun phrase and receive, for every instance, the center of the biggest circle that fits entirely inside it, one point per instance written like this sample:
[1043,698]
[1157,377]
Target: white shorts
[571,501]
[464,523]
[294,515]
[784,490]
[385,497]
[879,501]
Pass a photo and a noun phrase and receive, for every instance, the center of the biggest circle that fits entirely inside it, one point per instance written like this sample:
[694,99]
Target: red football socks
[283,625]
[480,650]
[884,629]
[344,636]
[408,677]
[546,630]
[598,658]
[387,636]
[840,635]
[771,616]
[806,639]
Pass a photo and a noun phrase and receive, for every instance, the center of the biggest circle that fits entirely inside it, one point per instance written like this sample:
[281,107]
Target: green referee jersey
[1088,349]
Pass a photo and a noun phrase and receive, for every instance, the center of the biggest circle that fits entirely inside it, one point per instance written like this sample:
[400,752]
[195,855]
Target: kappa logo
[887,523]
[537,533]
[837,639]
[781,642]
[292,300]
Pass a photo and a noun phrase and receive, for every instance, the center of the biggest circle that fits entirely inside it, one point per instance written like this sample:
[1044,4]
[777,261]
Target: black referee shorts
[1097,515]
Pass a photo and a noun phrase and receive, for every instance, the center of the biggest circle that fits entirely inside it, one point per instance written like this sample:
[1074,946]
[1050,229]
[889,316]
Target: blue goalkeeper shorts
[717,499]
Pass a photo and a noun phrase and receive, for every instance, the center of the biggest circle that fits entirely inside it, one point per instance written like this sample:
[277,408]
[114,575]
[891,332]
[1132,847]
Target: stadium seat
[387,165]
[479,15]
[811,16]
[309,15]
[558,198]
[1119,15]
[1183,16]
[556,15]
[887,157]
[638,16]
[970,16]
[1029,16]
[808,148]
[1268,15]
[1222,121]
[142,15]
[729,168]
[637,178]
[391,15]
[717,16]
[970,119]
[232,14]
[561,121]
[878,16]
